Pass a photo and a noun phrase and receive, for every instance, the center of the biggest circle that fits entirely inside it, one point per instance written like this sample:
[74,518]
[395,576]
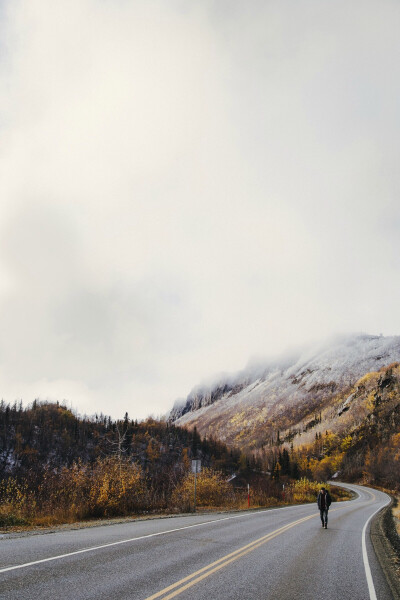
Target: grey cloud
[188,185]
[57,324]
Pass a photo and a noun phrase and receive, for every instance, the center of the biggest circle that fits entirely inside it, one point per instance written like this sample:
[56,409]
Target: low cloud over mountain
[249,407]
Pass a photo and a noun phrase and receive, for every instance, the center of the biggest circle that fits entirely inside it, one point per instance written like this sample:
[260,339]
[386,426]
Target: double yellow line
[187,582]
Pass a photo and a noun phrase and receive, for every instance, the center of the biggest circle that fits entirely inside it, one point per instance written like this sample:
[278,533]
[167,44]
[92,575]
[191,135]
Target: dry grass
[396,515]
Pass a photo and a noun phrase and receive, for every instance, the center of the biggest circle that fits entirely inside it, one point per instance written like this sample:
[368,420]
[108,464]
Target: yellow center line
[208,570]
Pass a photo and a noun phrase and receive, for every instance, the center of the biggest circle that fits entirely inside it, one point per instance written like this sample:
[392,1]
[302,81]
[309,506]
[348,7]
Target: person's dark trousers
[324,516]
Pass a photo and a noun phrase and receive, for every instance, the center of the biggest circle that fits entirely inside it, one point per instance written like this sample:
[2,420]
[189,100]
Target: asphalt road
[278,554]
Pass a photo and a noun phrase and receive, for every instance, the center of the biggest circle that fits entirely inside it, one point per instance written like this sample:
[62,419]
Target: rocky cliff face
[247,408]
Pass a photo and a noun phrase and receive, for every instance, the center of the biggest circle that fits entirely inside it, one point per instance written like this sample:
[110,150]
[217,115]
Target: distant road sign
[196,466]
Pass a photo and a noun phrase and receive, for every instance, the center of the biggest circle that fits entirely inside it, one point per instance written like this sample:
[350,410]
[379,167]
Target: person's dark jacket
[328,500]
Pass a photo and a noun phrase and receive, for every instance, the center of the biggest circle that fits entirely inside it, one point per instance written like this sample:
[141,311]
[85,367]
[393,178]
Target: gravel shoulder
[386,542]
[16,532]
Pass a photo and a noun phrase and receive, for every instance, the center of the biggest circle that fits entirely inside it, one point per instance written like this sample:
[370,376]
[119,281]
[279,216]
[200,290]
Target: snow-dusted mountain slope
[242,407]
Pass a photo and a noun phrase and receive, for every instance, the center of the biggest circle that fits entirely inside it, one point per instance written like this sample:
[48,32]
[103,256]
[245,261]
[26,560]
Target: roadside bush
[16,503]
[304,490]
[109,487]
[211,490]
[116,487]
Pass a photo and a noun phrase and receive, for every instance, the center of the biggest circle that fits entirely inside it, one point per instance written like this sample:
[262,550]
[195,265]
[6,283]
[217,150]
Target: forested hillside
[50,436]
[53,462]
[355,432]
[56,466]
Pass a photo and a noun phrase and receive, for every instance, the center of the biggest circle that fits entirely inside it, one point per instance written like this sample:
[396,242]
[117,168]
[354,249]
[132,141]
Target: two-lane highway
[277,554]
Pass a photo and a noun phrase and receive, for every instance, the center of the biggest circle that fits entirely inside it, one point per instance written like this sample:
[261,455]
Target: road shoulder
[386,544]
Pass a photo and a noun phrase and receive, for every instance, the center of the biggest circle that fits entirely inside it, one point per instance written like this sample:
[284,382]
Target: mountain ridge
[243,409]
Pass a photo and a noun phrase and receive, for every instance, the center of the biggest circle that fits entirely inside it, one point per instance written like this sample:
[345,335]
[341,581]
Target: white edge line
[142,537]
[371,587]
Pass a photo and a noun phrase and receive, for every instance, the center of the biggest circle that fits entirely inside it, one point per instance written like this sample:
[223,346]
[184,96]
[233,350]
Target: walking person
[324,501]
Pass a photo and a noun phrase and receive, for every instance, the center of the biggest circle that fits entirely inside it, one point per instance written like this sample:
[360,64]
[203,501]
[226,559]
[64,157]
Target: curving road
[277,554]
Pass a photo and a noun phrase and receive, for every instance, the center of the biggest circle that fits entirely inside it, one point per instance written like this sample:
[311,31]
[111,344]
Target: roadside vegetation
[396,514]
[117,487]
[57,467]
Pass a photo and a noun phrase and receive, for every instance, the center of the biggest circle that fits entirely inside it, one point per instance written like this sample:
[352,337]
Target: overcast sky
[186,185]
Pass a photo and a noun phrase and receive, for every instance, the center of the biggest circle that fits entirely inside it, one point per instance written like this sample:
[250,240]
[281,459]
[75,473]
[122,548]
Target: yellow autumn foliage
[115,487]
[111,486]
[346,443]
[212,489]
[304,490]
[383,466]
